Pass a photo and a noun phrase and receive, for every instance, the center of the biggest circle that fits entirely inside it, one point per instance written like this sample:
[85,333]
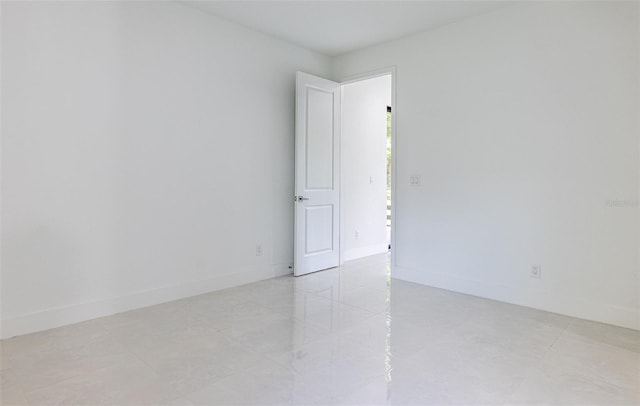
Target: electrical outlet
[357,234]
[536,271]
[258,250]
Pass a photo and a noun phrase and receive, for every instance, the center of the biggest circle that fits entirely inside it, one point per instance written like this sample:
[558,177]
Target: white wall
[364,166]
[146,148]
[524,125]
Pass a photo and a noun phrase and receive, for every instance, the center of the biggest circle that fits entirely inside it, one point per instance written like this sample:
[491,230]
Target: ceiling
[338,27]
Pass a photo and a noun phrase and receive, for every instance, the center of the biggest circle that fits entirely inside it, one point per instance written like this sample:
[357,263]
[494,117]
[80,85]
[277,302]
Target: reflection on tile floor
[346,336]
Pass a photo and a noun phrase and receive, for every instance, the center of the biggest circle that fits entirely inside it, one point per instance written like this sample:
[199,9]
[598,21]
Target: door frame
[390,70]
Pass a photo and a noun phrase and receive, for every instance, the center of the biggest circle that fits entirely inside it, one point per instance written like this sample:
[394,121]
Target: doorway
[335,222]
[366,165]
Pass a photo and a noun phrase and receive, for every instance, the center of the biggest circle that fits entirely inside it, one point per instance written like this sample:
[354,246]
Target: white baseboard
[355,253]
[548,301]
[62,316]
[555,302]
[283,269]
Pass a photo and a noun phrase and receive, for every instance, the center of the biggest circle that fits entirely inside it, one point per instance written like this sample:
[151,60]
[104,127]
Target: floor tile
[372,300]
[265,384]
[598,362]
[12,396]
[130,382]
[592,331]
[49,367]
[280,334]
[552,387]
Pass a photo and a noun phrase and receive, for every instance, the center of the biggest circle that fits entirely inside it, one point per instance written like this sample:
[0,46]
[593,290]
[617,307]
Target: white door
[316,240]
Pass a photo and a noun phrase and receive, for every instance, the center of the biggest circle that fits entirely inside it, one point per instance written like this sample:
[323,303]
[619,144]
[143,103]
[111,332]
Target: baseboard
[552,302]
[283,269]
[555,302]
[62,316]
[355,253]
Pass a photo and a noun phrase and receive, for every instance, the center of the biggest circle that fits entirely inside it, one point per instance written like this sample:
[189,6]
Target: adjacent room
[320,202]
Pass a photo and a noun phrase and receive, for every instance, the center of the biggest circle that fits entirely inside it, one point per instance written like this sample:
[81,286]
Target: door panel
[317,174]
[319,140]
[320,220]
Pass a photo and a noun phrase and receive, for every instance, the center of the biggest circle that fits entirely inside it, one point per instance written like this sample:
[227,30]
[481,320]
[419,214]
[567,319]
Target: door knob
[301,198]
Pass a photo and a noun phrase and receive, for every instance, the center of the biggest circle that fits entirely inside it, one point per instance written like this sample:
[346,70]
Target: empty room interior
[320,202]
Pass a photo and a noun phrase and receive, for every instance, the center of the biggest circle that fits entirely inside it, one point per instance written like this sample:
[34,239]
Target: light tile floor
[346,336]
